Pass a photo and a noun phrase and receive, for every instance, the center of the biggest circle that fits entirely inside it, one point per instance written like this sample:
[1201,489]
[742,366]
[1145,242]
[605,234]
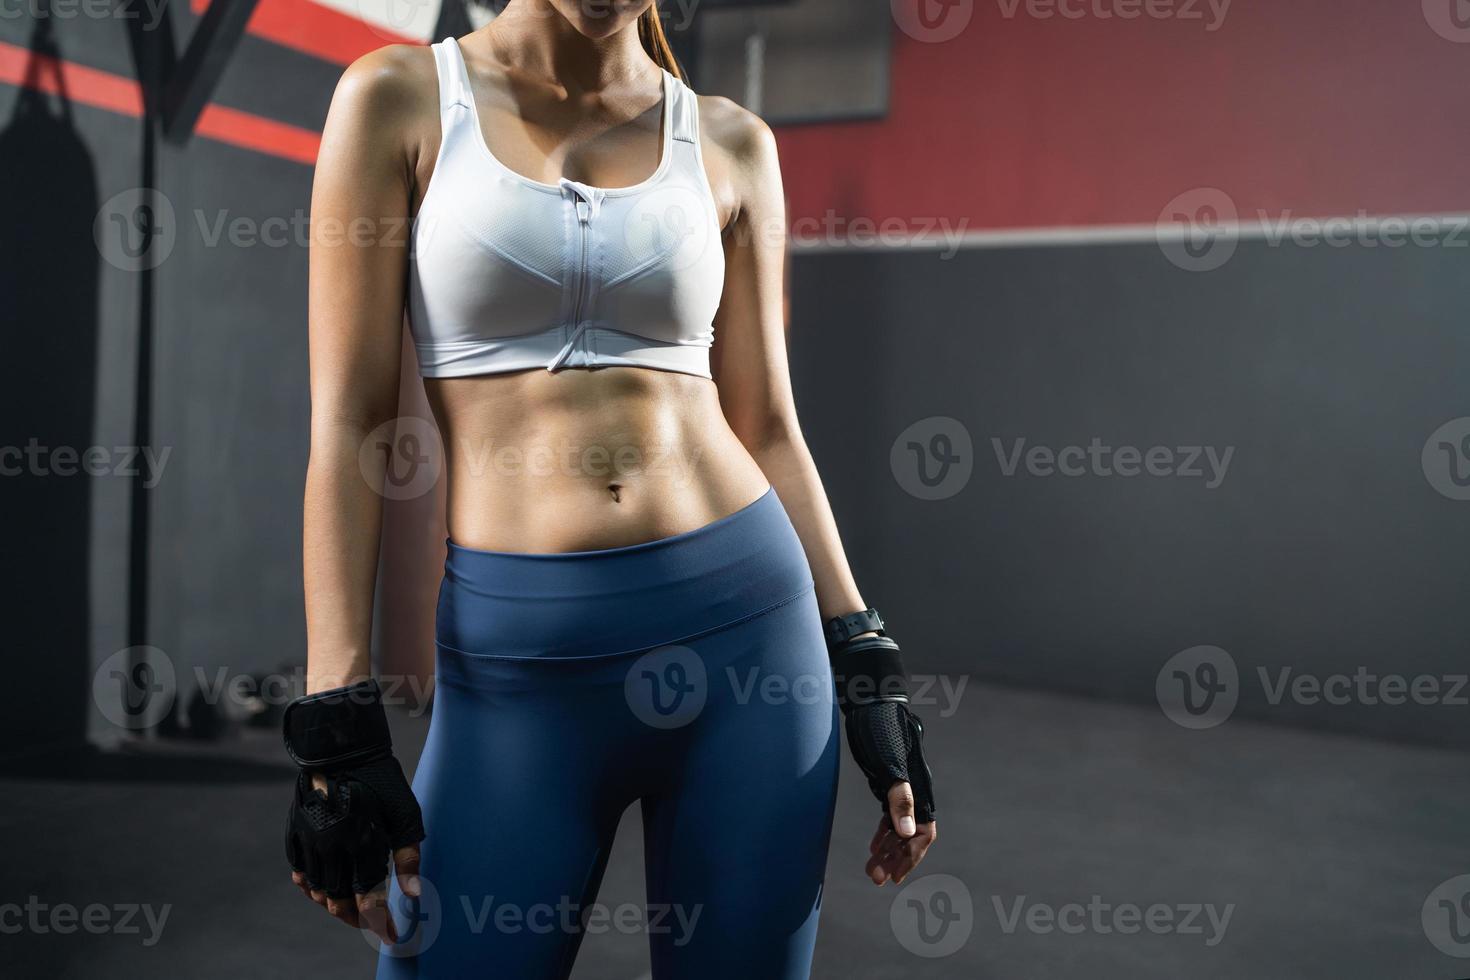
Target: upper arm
[360,206]
[749,357]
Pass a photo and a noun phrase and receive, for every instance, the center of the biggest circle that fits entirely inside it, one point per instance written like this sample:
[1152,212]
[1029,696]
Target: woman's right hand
[351,808]
[340,834]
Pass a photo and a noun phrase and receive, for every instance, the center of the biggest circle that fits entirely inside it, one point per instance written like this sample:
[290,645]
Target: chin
[597,19]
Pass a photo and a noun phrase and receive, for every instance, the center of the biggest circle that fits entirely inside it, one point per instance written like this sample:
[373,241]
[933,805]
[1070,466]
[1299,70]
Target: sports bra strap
[454,78]
[685,112]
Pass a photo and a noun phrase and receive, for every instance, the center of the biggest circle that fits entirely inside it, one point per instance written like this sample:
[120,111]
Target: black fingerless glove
[341,840]
[886,739]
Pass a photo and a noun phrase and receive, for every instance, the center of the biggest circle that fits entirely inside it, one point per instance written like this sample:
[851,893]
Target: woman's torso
[573,459]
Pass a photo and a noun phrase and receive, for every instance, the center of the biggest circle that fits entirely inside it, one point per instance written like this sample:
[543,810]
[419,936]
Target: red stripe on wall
[104,90]
[1312,107]
[75,83]
[316,30]
[257,133]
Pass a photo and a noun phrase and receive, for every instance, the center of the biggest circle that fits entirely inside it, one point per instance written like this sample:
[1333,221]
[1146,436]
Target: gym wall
[1082,166]
[1325,369]
[227,368]
[1319,549]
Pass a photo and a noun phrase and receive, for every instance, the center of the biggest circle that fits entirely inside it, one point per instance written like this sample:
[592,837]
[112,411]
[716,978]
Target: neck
[532,36]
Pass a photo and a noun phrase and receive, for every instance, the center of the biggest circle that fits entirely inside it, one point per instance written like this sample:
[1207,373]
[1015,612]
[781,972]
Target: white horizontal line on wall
[1398,224]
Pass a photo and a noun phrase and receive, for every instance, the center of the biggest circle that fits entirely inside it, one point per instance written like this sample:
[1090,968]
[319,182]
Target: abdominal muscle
[584,460]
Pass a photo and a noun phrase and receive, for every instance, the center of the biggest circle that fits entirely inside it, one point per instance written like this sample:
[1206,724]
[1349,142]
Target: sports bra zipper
[584,215]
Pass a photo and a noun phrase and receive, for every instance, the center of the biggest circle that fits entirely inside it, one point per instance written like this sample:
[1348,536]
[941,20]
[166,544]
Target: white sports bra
[509,274]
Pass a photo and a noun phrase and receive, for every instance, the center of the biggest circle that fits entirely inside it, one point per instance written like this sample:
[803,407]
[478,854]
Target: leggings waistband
[621,600]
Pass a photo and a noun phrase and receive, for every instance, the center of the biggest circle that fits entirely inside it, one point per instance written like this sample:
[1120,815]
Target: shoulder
[385,108]
[739,134]
[389,80]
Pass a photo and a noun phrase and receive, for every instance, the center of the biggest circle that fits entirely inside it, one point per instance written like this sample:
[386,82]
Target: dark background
[1323,549]
[1055,146]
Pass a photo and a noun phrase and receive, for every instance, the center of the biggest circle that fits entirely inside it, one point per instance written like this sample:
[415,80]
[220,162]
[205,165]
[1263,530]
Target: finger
[925,831]
[917,853]
[336,881]
[295,854]
[372,872]
[896,856]
[901,809]
[888,865]
[879,861]
[372,913]
[906,855]
[887,856]
[905,859]
[299,880]
[344,909]
[406,867]
[885,842]
[874,869]
[885,825]
[311,874]
[871,869]
[900,868]
[880,866]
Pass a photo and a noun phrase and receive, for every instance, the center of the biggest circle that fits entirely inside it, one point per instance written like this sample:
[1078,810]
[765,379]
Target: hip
[612,601]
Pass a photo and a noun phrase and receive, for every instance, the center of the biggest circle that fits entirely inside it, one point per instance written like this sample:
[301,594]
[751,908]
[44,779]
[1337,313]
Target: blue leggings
[688,674]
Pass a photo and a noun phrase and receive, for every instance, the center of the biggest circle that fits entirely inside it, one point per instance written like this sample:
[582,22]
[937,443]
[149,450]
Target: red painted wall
[1292,107]
[1325,107]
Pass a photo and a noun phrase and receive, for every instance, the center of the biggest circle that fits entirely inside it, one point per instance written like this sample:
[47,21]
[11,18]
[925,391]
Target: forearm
[784,458]
[342,532]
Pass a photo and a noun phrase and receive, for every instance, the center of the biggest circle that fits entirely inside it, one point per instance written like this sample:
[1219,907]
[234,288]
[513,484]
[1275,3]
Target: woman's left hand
[899,843]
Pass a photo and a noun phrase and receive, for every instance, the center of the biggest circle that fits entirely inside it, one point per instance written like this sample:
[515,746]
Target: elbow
[352,416]
[338,437]
[773,433]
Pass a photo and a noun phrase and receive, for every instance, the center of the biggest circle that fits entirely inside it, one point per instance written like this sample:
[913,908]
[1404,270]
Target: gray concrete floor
[1323,849]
